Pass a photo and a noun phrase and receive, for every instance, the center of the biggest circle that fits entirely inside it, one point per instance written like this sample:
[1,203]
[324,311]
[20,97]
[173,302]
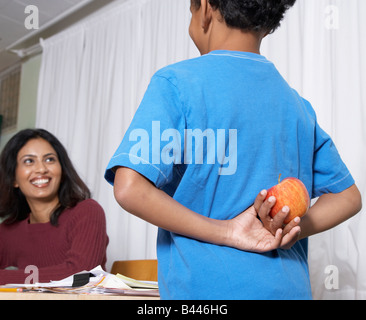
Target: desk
[58,296]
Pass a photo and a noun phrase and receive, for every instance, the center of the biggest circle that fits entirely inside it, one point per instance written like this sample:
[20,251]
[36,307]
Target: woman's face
[38,172]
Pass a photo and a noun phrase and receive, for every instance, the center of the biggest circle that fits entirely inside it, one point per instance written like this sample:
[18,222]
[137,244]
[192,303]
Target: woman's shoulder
[85,209]
[17,227]
[89,203]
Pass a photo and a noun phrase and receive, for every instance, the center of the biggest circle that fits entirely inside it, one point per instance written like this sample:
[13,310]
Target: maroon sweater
[78,243]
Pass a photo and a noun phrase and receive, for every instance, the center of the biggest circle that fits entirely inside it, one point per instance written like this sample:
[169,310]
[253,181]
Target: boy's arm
[331,210]
[141,198]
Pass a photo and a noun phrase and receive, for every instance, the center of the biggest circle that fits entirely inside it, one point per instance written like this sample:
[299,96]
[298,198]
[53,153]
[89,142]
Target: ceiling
[54,16]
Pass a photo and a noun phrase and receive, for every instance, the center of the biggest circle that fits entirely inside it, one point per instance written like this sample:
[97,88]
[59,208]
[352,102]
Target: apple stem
[279,179]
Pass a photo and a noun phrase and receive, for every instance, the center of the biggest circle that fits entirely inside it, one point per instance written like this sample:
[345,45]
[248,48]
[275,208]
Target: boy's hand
[251,234]
[273,224]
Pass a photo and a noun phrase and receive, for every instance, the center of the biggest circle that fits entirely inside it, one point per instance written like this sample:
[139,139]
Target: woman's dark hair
[251,15]
[13,204]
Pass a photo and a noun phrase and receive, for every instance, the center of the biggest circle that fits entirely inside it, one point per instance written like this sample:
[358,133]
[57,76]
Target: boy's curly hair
[251,15]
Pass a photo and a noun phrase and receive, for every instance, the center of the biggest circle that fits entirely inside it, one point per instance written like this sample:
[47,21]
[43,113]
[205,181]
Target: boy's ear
[206,14]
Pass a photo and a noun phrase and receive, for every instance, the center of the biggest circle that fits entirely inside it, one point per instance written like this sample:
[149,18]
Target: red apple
[290,192]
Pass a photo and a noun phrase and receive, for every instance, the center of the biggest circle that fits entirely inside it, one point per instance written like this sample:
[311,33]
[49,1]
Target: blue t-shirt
[213,132]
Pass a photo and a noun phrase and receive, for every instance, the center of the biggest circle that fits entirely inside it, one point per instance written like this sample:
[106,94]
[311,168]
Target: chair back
[137,269]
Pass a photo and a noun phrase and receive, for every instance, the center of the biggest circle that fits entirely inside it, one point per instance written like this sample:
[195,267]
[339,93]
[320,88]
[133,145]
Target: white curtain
[93,77]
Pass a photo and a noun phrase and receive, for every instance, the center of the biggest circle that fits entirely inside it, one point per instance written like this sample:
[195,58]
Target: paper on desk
[137,283]
[100,279]
[100,283]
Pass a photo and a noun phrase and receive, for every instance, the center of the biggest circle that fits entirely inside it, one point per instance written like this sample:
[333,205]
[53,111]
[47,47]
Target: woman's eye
[28,161]
[50,159]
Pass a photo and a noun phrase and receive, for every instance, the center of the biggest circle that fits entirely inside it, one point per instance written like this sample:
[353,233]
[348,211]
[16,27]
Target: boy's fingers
[280,217]
[291,238]
[292,224]
[265,209]
[278,238]
[259,200]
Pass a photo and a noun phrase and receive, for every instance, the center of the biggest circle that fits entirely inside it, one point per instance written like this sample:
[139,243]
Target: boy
[209,135]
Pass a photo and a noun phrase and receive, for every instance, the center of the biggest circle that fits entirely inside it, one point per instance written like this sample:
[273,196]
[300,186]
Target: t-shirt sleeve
[330,174]
[153,144]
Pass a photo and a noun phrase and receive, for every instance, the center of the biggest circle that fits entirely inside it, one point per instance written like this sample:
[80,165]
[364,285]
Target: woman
[50,220]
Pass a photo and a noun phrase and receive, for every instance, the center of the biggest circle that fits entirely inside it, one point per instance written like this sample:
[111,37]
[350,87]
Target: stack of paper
[95,281]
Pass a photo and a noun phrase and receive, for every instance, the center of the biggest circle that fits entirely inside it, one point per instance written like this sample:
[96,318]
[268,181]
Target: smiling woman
[51,222]
[31,156]
[38,176]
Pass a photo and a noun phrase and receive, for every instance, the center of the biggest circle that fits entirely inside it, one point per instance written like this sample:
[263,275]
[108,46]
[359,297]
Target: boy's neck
[222,37]
[225,38]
